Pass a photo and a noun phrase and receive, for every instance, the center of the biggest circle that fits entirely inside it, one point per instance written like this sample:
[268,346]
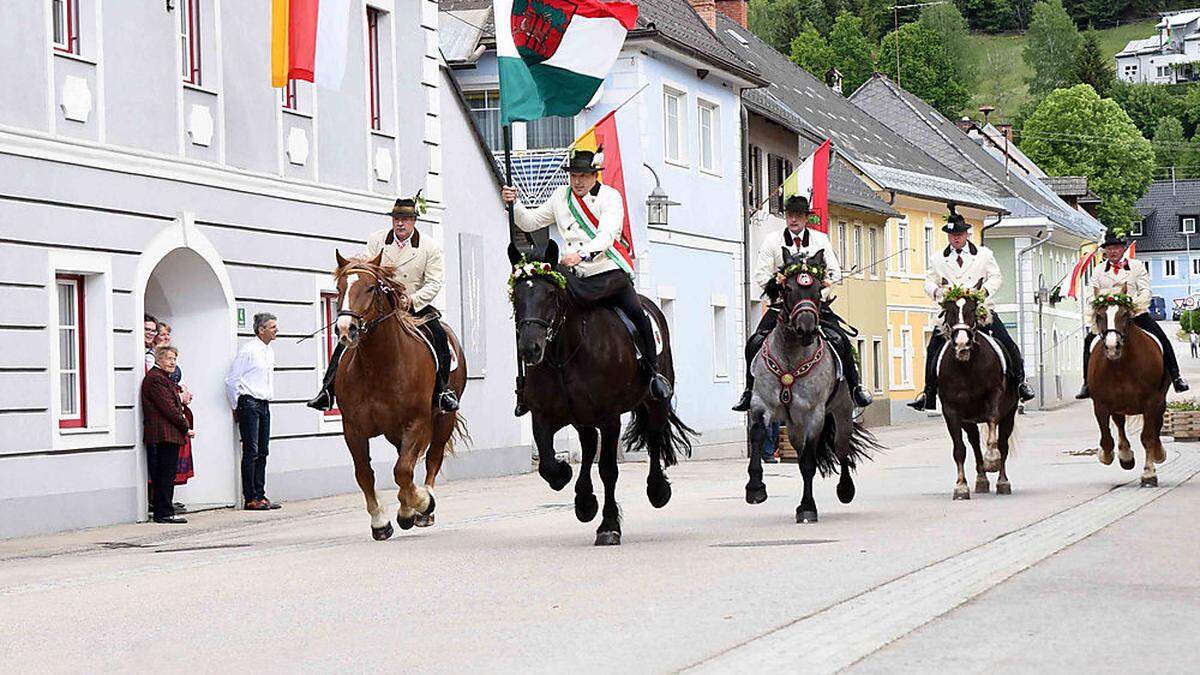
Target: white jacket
[419,264]
[978,263]
[603,201]
[1133,277]
[770,253]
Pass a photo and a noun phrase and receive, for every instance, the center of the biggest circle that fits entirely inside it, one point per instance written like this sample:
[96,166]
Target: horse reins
[386,289]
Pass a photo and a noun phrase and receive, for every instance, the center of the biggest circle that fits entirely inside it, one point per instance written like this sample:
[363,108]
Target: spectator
[186,466]
[163,339]
[250,386]
[150,336]
[770,444]
[1195,346]
[164,429]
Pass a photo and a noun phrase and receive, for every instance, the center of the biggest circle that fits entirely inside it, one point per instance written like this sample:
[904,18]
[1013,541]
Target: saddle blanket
[436,363]
[991,341]
[658,336]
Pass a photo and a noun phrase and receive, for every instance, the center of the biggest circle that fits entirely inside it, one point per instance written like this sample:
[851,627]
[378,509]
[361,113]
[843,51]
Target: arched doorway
[184,290]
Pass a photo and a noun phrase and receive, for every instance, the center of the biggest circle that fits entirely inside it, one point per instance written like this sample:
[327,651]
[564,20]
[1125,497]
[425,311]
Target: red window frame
[71,7]
[191,15]
[288,95]
[329,312]
[373,16]
[81,342]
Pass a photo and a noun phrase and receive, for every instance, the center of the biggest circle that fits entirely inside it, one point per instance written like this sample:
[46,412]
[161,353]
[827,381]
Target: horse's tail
[656,428]
[863,446]
[461,434]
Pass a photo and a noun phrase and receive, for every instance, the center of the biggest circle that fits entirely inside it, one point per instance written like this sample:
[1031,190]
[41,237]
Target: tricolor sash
[620,252]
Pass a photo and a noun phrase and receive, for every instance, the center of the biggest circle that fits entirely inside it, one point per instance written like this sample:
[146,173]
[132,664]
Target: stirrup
[861,397]
[660,389]
[448,401]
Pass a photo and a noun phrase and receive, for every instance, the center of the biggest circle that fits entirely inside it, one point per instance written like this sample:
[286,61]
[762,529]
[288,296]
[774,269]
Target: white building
[1167,58]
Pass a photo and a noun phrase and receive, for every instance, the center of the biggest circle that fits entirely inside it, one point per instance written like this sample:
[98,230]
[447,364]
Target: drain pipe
[1021,290]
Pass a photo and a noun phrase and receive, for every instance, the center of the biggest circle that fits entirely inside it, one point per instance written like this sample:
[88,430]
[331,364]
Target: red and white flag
[309,40]
[811,181]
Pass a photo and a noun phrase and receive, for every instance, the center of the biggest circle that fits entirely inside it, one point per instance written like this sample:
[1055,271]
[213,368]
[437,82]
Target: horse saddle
[423,331]
[633,332]
[839,370]
[991,341]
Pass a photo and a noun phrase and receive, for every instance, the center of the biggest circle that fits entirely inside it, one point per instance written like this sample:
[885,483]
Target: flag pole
[512,238]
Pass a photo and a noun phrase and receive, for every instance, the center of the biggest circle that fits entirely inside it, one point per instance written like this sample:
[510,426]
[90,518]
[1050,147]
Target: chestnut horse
[1128,380]
[385,387]
[974,390]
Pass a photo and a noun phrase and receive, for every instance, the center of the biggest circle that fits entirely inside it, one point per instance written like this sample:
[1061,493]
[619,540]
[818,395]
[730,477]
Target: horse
[1129,380]
[796,381]
[385,384]
[581,369]
[974,390]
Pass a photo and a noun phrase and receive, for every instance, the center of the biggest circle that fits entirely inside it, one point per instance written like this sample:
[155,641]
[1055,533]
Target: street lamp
[658,204]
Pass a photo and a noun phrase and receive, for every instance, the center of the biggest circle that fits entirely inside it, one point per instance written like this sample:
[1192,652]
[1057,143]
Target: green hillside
[1002,71]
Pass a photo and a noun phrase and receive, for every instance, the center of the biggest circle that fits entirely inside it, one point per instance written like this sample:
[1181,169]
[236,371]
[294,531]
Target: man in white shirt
[798,238]
[250,387]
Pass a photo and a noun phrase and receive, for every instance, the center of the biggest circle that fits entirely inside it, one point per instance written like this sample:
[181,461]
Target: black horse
[582,370]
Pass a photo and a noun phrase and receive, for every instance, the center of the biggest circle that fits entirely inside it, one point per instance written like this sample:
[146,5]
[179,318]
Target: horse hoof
[962,492]
[424,520]
[756,495]
[982,487]
[1149,481]
[1105,457]
[608,538]
[586,507]
[1128,465]
[806,516]
[382,533]
[558,477]
[659,493]
[431,507]
[407,523]
[1004,488]
[845,490]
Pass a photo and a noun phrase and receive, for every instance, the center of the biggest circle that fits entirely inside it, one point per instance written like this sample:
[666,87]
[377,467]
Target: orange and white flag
[309,40]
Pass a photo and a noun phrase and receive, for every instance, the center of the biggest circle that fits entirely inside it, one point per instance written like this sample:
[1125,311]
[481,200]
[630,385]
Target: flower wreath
[814,219]
[957,293]
[1109,299]
[817,272]
[529,269]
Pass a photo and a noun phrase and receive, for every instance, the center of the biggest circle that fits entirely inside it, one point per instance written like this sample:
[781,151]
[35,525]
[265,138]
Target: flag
[309,40]
[1084,264]
[811,180]
[1130,252]
[554,54]
[603,137]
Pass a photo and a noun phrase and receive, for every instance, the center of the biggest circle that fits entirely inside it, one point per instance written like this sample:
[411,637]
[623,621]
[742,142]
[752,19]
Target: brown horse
[385,387]
[974,390]
[1128,380]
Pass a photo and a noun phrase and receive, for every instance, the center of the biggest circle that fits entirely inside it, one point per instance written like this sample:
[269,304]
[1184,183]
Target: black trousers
[837,338]
[254,422]
[996,329]
[441,345]
[1148,324]
[162,460]
[614,288]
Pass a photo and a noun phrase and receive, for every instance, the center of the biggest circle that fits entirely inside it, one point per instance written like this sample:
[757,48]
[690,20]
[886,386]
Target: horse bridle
[552,326]
[972,331]
[385,290]
[803,305]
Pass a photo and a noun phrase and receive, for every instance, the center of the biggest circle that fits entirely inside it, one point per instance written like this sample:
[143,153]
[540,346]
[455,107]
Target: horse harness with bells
[786,377]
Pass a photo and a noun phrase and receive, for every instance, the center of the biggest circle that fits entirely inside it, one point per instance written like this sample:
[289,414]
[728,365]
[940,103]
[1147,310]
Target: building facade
[1170,57]
[165,176]
[1167,241]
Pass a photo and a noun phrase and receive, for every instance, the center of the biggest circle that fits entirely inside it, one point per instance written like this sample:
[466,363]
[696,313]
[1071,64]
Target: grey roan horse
[796,382]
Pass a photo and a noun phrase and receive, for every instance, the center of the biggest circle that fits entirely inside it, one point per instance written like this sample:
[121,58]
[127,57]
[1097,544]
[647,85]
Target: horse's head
[800,293]
[1112,322]
[539,298]
[366,295]
[963,313]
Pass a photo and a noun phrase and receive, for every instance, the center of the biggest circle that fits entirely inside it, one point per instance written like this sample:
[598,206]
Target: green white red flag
[602,137]
[811,181]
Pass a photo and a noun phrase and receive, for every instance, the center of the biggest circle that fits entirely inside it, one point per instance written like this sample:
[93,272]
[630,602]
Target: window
[485,111]
[329,314]
[72,368]
[189,40]
[778,170]
[720,343]
[906,356]
[902,246]
[928,244]
[1169,267]
[873,251]
[1139,228]
[876,359]
[373,16]
[674,125]
[858,261]
[66,25]
[667,305]
[548,132]
[860,353]
[754,176]
[841,243]
[1188,225]
[708,122]
[1195,266]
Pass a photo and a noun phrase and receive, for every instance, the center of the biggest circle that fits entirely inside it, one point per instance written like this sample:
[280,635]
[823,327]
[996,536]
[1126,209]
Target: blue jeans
[771,441]
[254,422]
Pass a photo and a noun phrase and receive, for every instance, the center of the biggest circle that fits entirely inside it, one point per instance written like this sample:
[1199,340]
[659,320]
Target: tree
[1145,103]
[1091,67]
[1189,110]
[1170,145]
[990,15]
[811,52]
[851,51]
[878,18]
[925,68]
[1074,132]
[951,29]
[776,22]
[1050,47]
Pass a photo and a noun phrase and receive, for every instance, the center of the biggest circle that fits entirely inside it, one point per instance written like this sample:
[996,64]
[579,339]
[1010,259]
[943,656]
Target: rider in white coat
[1132,276]
[963,264]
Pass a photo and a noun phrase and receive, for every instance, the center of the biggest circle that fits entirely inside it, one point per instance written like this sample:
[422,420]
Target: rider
[419,267]
[799,238]
[589,233]
[1132,273]
[964,264]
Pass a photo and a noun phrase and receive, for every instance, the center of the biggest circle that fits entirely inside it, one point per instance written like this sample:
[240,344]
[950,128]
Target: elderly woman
[165,429]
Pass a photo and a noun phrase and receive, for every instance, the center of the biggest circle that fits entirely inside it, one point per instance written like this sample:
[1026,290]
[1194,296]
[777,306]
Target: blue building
[681,134]
[1167,240]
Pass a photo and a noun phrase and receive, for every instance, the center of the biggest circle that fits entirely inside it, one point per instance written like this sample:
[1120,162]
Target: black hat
[955,224]
[796,204]
[408,207]
[1111,238]
[585,161]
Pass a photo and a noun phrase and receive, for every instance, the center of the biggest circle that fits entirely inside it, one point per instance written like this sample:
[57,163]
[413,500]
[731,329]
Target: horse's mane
[383,273]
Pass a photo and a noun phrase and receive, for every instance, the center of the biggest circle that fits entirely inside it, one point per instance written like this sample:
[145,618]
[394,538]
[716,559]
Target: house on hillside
[680,136]
[1036,243]
[1170,57]
[139,177]
[1167,240]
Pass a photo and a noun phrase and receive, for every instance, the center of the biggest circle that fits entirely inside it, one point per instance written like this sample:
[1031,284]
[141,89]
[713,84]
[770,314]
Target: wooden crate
[784,450]
[1185,425]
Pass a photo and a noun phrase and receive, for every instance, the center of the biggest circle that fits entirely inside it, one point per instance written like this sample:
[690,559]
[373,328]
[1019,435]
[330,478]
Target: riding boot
[520,408]
[444,397]
[928,398]
[754,344]
[325,399]
[1170,362]
[1087,353]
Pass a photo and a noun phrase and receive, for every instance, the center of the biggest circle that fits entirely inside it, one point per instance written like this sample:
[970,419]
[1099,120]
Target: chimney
[833,79]
[707,9]
[966,124]
[738,10]
[1006,129]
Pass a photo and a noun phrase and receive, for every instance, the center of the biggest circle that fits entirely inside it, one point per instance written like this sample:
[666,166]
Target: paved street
[508,580]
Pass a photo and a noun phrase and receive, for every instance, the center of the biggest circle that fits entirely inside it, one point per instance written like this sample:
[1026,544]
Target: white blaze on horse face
[343,321]
[960,337]
[1110,339]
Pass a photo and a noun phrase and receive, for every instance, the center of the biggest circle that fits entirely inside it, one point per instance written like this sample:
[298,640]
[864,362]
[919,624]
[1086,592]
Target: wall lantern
[658,204]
